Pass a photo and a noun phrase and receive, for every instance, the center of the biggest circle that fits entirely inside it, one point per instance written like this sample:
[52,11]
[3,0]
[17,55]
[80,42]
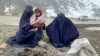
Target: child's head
[38,12]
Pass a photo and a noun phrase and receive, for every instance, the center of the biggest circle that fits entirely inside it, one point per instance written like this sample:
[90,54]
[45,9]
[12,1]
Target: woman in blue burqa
[28,33]
[62,31]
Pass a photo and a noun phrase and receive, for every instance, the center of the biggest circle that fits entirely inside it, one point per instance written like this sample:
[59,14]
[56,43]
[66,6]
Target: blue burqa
[24,37]
[61,31]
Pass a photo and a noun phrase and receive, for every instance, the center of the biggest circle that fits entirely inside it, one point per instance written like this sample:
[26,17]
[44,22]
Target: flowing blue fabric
[61,31]
[24,37]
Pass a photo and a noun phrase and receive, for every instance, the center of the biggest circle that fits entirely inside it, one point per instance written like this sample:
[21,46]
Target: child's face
[37,13]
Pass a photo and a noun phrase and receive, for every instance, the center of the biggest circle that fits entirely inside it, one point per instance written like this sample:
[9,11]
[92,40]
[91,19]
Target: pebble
[1,51]
[97,47]
[99,42]
[3,45]
[42,43]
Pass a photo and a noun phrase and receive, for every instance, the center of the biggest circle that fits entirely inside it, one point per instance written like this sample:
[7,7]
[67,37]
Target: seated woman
[30,28]
[61,31]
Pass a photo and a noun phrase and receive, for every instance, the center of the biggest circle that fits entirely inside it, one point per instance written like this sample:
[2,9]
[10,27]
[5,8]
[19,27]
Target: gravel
[44,48]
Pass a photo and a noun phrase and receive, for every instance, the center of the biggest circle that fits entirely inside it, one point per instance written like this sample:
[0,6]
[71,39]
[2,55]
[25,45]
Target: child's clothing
[39,20]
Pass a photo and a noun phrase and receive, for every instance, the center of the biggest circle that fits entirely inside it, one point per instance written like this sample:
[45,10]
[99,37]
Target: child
[37,18]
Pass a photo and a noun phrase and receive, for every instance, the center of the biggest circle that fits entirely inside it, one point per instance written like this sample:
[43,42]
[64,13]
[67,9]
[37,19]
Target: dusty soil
[7,30]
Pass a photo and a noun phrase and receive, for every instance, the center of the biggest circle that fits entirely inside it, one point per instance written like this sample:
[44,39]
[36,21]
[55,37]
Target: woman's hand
[38,25]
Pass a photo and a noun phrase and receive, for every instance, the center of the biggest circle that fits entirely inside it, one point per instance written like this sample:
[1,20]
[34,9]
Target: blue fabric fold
[62,31]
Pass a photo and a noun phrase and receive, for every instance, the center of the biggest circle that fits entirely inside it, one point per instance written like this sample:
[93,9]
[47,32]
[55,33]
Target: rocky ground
[47,50]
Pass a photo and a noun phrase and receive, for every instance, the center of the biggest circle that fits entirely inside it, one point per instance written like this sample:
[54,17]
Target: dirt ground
[93,36]
[7,30]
